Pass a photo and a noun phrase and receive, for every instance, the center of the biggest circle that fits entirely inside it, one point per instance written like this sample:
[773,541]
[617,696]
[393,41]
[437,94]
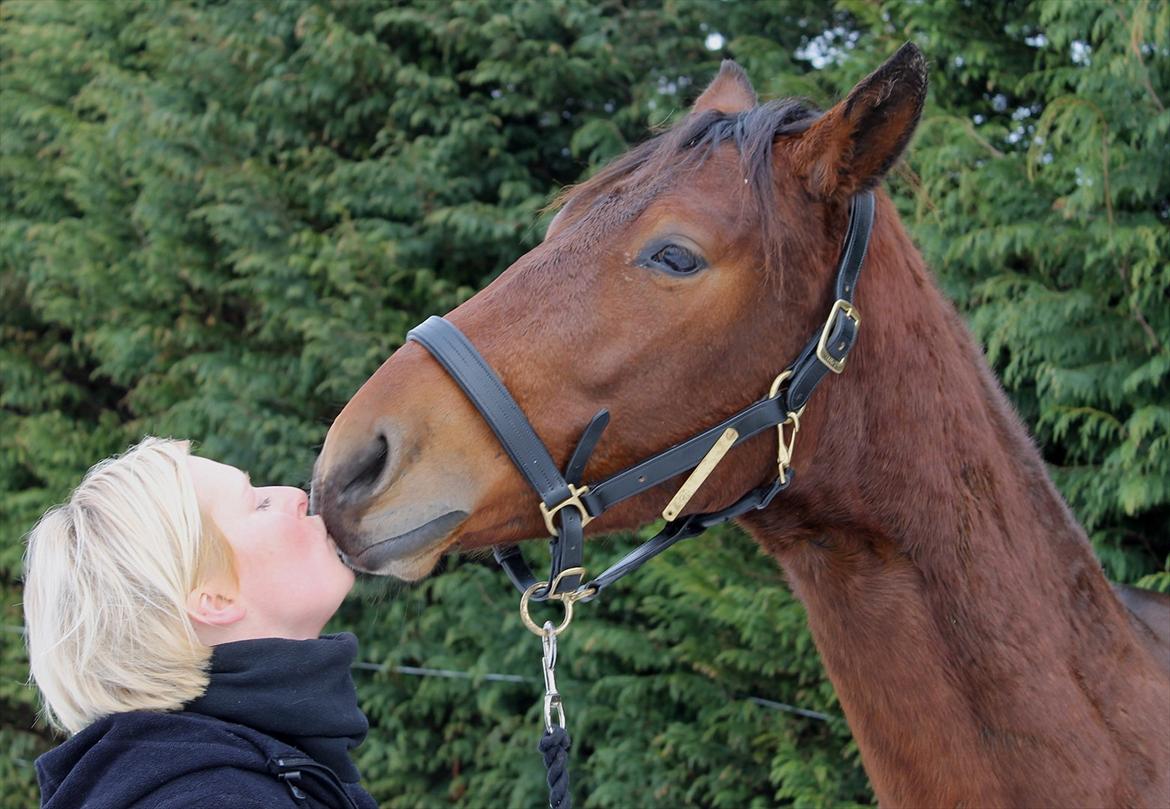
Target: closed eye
[264,504]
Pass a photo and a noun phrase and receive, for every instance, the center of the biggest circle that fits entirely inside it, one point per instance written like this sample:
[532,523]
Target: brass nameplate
[700,473]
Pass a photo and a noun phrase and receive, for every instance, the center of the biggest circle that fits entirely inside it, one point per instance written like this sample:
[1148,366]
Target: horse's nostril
[367,470]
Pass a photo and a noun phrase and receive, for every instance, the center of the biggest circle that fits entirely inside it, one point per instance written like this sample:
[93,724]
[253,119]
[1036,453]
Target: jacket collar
[298,691]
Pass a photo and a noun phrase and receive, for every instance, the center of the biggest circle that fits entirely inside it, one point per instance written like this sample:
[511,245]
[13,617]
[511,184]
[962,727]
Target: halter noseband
[568,506]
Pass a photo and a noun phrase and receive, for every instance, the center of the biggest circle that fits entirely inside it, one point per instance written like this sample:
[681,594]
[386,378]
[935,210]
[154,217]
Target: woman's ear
[729,92]
[853,145]
[207,604]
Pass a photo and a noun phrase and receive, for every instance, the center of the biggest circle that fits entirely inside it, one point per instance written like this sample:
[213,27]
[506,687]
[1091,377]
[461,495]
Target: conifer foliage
[219,218]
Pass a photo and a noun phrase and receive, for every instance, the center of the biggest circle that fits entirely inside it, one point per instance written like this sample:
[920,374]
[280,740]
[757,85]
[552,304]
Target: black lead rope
[554,746]
[568,506]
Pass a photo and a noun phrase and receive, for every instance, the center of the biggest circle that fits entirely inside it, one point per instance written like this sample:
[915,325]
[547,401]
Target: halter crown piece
[568,506]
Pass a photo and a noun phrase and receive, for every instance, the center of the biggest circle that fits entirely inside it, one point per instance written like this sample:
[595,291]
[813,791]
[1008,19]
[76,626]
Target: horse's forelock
[638,176]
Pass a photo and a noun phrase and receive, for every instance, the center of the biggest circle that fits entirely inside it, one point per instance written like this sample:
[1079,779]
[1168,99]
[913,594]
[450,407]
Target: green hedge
[218,219]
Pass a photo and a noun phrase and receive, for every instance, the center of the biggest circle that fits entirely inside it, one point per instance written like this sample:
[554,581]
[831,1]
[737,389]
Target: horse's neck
[973,641]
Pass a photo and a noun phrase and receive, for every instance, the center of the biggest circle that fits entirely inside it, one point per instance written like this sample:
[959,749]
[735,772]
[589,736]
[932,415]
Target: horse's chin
[412,569]
[407,552]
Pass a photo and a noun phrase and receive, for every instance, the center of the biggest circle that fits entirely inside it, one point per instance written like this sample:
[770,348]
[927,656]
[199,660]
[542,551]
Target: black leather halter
[568,506]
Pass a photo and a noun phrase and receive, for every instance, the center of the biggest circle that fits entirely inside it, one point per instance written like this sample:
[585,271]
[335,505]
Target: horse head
[671,288]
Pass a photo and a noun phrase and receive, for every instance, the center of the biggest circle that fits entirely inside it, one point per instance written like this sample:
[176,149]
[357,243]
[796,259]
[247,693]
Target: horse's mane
[647,169]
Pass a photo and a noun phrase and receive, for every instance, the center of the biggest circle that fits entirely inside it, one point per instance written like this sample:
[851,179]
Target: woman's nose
[289,499]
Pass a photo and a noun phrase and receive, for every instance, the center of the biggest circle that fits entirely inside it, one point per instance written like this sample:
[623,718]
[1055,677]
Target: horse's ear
[853,145]
[730,92]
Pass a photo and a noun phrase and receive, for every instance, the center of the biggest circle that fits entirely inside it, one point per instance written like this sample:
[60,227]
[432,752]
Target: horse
[980,656]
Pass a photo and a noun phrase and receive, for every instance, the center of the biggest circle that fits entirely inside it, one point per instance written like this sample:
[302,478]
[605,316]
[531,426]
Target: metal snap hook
[785,445]
[552,697]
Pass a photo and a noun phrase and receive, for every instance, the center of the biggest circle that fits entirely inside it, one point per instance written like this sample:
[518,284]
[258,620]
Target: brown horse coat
[980,655]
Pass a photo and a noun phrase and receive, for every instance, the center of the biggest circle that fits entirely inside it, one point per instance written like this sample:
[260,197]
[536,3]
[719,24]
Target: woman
[173,612]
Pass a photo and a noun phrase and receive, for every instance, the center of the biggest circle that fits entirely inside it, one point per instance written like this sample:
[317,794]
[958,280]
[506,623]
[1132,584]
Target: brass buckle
[574,499]
[850,311]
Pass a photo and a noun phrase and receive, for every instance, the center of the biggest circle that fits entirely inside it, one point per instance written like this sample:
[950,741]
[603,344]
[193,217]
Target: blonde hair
[107,577]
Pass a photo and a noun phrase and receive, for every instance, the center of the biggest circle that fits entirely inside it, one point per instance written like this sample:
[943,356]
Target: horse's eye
[676,259]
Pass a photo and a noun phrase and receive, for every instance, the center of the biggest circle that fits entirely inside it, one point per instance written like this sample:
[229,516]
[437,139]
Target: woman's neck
[978,651]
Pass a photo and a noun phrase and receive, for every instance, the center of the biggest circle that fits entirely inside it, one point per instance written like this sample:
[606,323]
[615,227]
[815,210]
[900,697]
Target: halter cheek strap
[485,390]
[568,506]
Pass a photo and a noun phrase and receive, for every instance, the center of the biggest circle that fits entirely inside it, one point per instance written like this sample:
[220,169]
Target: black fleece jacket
[272,731]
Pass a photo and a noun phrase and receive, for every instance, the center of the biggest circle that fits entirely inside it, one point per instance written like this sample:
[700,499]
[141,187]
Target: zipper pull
[292,770]
[290,780]
[286,770]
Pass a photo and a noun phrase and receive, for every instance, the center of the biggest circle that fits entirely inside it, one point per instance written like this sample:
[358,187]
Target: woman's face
[290,578]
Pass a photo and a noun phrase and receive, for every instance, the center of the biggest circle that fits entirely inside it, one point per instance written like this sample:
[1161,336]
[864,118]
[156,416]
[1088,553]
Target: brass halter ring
[566,599]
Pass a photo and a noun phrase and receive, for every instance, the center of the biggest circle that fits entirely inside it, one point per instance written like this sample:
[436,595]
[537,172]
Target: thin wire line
[419,671]
[784,706]
[492,677]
